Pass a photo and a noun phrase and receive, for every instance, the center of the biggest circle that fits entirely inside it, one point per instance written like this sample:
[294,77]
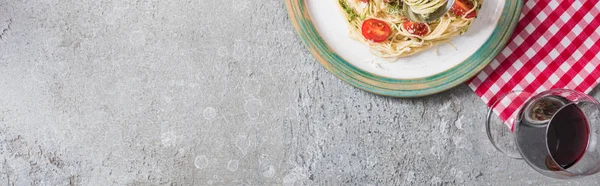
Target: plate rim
[404,88]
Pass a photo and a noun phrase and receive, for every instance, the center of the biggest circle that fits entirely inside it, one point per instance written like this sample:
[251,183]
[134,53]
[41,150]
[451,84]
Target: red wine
[549,138]
[567,136]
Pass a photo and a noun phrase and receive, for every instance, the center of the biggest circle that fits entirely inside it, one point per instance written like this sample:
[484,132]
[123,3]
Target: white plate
[324,30]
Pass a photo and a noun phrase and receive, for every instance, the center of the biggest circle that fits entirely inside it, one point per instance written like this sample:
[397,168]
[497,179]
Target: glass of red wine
[556,131]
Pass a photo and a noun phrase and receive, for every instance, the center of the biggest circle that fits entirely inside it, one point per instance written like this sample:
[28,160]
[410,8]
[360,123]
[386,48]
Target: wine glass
[555,131]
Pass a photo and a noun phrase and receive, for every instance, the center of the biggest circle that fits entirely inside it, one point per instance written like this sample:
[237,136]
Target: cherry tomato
[415,28]
[460,7]
[375,30]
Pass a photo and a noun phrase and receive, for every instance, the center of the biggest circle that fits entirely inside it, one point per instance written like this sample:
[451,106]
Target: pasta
[381,24]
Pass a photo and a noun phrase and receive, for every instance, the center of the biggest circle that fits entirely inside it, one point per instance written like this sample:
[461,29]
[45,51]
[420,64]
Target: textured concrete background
[200,92]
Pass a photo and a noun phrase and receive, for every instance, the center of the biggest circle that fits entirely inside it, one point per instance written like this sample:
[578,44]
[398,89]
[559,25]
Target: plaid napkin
[556,44]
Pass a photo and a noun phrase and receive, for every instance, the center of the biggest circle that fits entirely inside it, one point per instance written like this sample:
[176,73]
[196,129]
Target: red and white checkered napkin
[556,44]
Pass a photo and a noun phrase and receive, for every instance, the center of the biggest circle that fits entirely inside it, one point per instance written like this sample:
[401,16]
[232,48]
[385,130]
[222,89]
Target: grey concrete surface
[202,92]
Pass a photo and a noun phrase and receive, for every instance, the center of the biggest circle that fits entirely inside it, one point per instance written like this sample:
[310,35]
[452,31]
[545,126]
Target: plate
[324,31]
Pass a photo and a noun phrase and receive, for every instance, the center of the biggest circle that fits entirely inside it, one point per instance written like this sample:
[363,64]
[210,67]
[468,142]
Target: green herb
[463,30]
[395,7]
[349,11]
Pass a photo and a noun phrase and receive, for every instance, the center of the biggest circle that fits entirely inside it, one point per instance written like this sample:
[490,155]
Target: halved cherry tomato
[415,28]
[460,7]
[375,30]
